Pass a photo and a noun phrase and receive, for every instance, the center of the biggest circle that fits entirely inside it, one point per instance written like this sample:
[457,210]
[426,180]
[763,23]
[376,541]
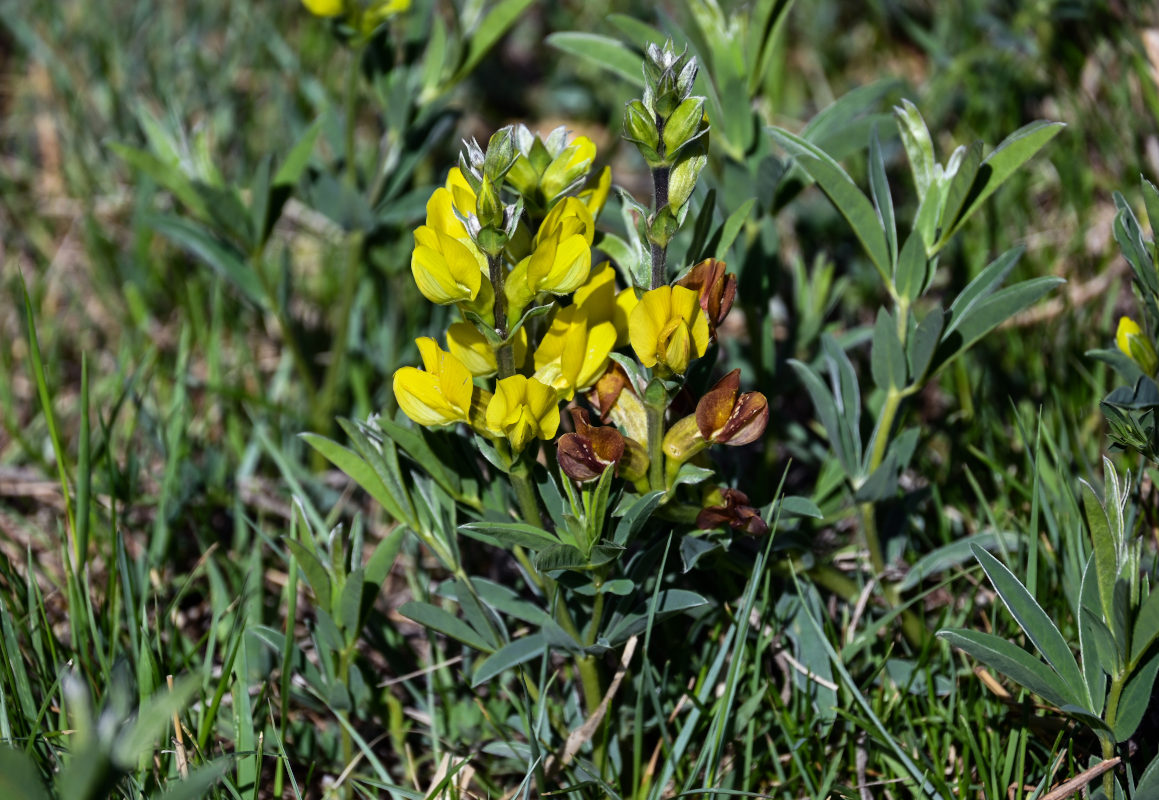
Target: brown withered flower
[717,290]
[734,512]
[585,454]
[726,417]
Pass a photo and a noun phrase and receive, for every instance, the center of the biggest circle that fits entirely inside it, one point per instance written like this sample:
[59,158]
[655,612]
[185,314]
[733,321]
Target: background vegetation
[193,306]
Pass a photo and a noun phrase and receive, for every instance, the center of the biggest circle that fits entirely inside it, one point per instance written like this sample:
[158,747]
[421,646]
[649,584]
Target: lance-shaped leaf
[1037,626]
[844,194]
[1013,662]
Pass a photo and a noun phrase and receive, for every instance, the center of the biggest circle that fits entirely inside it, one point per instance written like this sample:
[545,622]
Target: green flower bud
[685,125]
[500,154]
[640,126]
[488,205]
[682,179]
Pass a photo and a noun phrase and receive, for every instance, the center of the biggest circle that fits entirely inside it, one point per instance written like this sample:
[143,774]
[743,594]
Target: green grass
[155,494]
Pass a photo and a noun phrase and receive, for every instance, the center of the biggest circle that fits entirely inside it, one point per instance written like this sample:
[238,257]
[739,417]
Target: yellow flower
[668,328]
[522,408]
[561,257]
[381,12]
[445,269]
[573,353]
[446,264]
[471,347]
[596,195]
[568,166]
[1136,345]
[599,299]
[325,8]
[439,394]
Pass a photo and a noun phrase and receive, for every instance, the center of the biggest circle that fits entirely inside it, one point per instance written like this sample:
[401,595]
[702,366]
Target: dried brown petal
[585,454]
[717,290]
[725,418]
[735,513]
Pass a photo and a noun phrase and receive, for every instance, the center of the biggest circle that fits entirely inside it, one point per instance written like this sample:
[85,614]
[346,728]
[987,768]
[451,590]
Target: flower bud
[1136,345]
[723,417]
[684,125]
[640,129]
[717,290]
[733,511]
[500,154]
[682,179]
[488,205]
[614,397]
[585,454]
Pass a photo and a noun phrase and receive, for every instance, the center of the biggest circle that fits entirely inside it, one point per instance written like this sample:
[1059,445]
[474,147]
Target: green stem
[1110,715]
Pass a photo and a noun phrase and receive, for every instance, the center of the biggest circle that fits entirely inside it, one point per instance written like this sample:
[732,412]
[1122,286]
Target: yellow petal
[678,349]
[597,196]
[543,404]
[471,347]
[647,320]
[601,341]
[571,263]
[1127,328]
[324,8]
[626,301]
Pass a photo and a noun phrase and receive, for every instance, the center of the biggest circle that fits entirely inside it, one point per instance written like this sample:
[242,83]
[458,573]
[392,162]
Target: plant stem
[655,445]
[659,253]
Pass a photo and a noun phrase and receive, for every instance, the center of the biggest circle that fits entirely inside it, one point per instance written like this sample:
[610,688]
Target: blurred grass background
[194,395]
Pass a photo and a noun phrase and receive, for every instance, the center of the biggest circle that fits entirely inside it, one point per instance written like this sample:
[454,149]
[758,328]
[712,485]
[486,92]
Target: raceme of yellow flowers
[508,240]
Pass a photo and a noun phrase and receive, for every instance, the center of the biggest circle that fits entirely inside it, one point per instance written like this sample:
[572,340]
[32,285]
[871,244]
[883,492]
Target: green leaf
[19,778]
[664,604]
[1035,623]
[296,161]
[732,227]
[498,20]
[990,313]
[564,557]
[636,516]
[1135,700]
[882,484]
[958,192]
[797,506]
[985,284]
[826,409]
[909,279]
[923,343]
[1014,151]
[602,51]
[882,199]
[316,574]
[1148,786]
[509,655]
[360,472]
[436,619]
[954,554]
[1146,626]
[350,604]
[222,258]
[919,147]
[510,534]
[1013,662]
[1096,651]
[886,358]
[198,783]
[844,194]
[1103,541]
[168,175]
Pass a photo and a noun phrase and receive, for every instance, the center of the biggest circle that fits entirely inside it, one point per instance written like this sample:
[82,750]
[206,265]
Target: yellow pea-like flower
[1136,345]
[445,269]
[599,299]
[567,167]
[596,195]
[472,348]
[521,409]
[325,8]
[574,353]
[561,256]
[439,394]
[669,328]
